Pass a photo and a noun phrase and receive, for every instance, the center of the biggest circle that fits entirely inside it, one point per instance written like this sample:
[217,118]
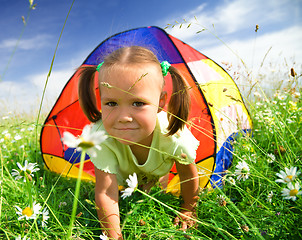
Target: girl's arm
[189,180]
[106,198]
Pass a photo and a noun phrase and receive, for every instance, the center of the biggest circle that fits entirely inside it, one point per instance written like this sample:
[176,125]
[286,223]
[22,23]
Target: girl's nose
[125,116]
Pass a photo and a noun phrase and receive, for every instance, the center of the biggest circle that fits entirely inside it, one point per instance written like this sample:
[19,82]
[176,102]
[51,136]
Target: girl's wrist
[190,205]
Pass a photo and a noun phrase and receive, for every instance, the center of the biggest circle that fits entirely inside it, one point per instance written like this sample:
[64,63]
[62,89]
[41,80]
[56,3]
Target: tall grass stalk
[50,69]
[76,195]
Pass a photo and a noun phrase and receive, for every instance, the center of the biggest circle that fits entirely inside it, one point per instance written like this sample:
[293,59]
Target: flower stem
[29,186]
[76,195]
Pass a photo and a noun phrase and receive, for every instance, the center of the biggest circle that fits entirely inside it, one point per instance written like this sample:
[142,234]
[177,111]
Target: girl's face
[131,101]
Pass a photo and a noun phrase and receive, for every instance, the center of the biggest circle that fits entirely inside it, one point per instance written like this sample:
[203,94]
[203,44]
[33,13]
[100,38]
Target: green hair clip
[165,67]
[99,66]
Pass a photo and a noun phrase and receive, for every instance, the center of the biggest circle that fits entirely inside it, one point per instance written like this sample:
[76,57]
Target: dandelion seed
[29,213]
[132,183]
[26,171]
[289,175]
[87,141]
[242,170]
[292,191]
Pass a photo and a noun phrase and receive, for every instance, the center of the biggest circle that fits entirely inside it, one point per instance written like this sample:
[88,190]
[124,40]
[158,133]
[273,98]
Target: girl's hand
[189,190]
[185,220]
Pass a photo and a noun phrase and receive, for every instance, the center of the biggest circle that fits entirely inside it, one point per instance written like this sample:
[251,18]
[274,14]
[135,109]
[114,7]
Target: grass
[243,210]
[250,208]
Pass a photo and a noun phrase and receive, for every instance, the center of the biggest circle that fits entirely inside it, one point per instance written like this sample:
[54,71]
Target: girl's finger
[184,226]
[176,221]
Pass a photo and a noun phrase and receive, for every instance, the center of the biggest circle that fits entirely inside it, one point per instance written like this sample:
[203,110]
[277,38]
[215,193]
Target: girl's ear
[162,101]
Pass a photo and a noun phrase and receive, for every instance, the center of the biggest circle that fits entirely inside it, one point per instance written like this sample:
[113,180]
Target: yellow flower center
[244,170]
[290,177]
[293,192]
[86,145]
[27,211]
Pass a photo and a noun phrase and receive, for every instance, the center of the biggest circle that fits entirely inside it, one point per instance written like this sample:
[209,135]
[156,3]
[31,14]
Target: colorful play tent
[217,113]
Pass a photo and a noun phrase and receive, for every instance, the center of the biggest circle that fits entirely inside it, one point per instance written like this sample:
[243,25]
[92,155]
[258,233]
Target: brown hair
[179,104]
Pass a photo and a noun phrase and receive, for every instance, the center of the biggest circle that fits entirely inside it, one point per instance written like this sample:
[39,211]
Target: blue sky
[90,22]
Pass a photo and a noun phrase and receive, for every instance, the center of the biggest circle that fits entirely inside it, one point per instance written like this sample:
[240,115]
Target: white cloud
[233,32]
[36,42]
[280,44]
[17,97]
[230,17]
[26,96]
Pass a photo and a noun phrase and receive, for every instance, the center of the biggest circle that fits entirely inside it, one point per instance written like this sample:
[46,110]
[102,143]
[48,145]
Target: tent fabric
[217,110]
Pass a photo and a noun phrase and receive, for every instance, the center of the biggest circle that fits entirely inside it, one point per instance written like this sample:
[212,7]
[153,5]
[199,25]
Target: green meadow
[250,205]
[260,197]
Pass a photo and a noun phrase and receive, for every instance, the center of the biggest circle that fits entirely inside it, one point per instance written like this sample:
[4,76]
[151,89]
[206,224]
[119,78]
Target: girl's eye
[111,104]
[138,104]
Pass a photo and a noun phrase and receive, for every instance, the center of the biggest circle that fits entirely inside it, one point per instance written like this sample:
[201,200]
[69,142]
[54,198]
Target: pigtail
[86,93]
[179,104]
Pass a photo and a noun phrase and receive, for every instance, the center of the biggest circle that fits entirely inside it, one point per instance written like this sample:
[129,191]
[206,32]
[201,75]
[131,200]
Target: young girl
[143,139]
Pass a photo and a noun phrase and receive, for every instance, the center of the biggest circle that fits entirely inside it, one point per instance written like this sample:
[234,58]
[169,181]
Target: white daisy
[45,217]
[27,170]
[87,141]
[271,158]
[288,176]
[29,213]
[292,191]
[270,196]
[17,137]
[132,183]
[103,237]
[20,238]
[5,132]
[242,170]
[231,180]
